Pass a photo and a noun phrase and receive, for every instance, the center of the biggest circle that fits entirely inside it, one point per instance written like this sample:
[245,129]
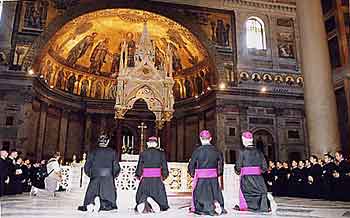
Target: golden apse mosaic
[84,56]
[76,44]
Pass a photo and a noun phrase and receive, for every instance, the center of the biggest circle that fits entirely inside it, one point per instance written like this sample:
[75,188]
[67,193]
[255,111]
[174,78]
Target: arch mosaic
[46,46]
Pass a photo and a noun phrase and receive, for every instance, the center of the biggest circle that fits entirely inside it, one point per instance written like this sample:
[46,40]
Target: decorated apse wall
[83,57]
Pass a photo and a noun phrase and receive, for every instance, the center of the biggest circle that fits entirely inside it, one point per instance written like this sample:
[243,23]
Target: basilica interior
[70,70]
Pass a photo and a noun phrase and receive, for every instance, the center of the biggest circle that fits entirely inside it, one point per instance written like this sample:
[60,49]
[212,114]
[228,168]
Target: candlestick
[132,142]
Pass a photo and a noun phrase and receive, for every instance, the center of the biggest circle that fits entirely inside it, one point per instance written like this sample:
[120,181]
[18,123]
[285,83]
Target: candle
[123,140]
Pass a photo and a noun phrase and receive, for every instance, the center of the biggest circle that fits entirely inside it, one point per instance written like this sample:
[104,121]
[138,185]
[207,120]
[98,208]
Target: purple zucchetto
[205,134]
[153,139]
[247,135]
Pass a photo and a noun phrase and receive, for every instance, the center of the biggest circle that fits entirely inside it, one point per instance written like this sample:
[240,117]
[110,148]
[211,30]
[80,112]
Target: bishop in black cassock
[250,166]
[206,166]
[152,169]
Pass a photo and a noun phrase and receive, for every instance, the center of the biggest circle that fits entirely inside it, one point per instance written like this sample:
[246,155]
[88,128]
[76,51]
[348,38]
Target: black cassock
[3,175]
[11,186]
[102,166]
[37,176]
[26,178]
[269,177]
[253,186]
[315,188]
[207,190]
[296,182]
[281,182]
[327,180]
[16,180]
[152,186]
[341,184]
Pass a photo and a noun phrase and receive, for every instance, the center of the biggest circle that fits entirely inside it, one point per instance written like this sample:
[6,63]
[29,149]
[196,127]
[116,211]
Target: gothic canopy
[75,46]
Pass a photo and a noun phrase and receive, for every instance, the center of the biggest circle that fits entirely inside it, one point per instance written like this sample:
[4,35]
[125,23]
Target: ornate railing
[179,181]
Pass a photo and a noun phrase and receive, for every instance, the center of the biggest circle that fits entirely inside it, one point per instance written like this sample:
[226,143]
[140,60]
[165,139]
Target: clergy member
[102,166]
[205,166]
[250,165]
[152,169]
[11,163]
[3,171]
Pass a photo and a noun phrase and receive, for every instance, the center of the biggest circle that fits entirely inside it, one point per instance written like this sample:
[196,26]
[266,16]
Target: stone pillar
[167,145]
[41,131]
[87,133]
[201,122]
[320,104]
[63,133]
[118,137]
[180,139]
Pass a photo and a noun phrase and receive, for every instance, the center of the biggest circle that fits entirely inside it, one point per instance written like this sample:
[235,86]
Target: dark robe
[315,188]
[327,180]
[207,190]
[273,178]
[152,187]
[102,166]
[26,177]
[17,180]
[269,177]
[281,182]
[37,176]
[343,182]
[305,187]
[296,182]
[253,186]
[10,187]
[3,175]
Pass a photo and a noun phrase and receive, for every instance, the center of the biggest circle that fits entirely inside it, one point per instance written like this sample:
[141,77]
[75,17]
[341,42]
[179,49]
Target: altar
[179,182]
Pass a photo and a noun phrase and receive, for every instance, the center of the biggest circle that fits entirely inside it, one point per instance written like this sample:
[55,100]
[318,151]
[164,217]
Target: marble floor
[65,204]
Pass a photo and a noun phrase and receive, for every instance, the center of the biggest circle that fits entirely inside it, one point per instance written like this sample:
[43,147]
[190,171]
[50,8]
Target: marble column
[41,131]
[180,139]
[87,133]
[201,121]
[320,104]
[118,137]
[167,145]
[63,132]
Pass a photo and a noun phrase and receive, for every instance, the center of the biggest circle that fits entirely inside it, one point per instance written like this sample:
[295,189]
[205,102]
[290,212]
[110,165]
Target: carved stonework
[140,78]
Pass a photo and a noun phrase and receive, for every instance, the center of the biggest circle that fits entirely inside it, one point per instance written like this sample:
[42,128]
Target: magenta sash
[201,174]
[247,171]
[151,172]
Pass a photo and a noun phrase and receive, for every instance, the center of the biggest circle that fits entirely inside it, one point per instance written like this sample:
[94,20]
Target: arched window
[255,29]
[1,7]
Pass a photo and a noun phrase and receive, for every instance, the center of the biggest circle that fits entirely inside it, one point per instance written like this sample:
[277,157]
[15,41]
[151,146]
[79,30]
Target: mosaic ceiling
[74,45]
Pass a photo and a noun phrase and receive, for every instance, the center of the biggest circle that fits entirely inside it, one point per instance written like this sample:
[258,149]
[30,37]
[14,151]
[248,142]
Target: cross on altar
[142,127]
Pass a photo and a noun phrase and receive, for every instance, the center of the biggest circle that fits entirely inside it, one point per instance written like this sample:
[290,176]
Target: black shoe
[236,208]
[82,208]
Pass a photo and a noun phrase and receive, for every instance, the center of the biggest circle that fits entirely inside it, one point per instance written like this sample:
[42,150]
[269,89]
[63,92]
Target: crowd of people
[327,178]
[19,175]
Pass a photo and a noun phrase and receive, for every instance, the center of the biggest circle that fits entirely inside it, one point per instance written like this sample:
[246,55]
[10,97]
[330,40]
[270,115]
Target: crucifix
[142,127]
